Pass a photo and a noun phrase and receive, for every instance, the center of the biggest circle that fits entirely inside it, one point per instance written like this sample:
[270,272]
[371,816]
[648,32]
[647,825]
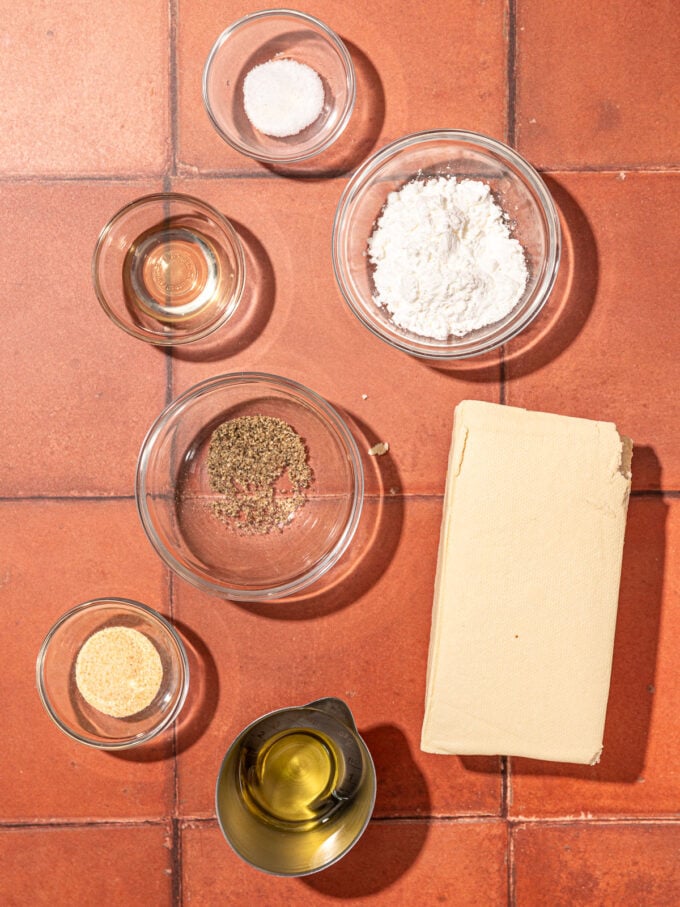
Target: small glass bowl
[175,501]
[169,269]
[56,681]
[517,189]
[259,38]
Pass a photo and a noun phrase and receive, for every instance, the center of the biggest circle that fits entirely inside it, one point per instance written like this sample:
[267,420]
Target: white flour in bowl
[445,262]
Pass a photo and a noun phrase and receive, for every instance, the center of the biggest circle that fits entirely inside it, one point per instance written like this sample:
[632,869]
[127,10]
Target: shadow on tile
[370,551]
[484,368]
[629,709]
[372,865]
[204,691]
[250,318]
[571,301]
[400,781]
[361,134]
[198,710]
[487,765]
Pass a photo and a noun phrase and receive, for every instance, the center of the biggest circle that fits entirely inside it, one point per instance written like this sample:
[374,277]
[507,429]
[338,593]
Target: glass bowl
[61,694]
[181,513]
[169,269]
[515,186]
[278,34]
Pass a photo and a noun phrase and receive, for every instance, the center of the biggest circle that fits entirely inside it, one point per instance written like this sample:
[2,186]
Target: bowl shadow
[204,691]
[197,712]
[370,551]
[375,863]
[251,315]
[569,306]
[562,317]
[360,135]
[487,368]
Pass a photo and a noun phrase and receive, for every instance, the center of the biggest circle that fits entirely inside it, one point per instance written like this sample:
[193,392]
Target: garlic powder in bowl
[119,671]
[112,673]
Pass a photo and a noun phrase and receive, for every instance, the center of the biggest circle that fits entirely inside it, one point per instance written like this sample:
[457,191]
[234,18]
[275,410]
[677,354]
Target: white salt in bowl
[277,35]
[70,709]
[515,187]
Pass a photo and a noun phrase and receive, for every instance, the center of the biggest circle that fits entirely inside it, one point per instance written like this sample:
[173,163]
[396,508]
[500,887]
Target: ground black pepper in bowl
[250,486]
[249,460]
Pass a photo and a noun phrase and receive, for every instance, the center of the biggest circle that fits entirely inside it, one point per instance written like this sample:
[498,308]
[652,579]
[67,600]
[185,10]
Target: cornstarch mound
[445,261]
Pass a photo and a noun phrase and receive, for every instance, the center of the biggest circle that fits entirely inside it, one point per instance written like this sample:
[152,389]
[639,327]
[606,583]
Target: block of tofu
[527,585]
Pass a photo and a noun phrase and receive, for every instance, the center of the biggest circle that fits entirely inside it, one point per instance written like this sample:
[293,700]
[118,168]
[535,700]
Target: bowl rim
[150,615]
[339,426]
[290,157]
[487,144]
[235,243]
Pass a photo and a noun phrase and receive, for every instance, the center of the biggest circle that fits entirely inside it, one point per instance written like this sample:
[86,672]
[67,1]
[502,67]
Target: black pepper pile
[247,459]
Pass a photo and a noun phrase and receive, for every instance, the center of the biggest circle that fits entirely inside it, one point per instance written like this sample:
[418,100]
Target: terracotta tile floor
[100,108]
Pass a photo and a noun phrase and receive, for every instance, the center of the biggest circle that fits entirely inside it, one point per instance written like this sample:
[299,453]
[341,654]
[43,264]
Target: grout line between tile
[463,820]
[505,806]
[302,176]
[486,818]
[511,78]
[51,178]
[57,498]
[80,178]
[502,396]
[612,168]
[369,496]
[84,823]
[176,862]
[173,93]
[521,821]
[168,376]
[512,896]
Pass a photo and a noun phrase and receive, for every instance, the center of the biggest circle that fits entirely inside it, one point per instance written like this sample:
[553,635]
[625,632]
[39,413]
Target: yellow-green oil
[289,780]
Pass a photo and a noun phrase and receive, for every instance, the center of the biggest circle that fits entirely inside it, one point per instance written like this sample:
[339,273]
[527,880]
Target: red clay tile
[55,555]
[612,353]
[305,331]
[637,775]
[85,89]
[393,863]
[597,84]
[366,641]
[443,69]
[577,863]
[105,864]
[77,394]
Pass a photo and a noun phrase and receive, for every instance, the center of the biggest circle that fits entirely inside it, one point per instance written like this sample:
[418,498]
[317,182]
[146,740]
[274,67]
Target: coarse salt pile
[445,261]
[282,97]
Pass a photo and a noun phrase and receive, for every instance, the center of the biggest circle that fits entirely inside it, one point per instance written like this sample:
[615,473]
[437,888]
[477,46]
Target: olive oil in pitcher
[294,778]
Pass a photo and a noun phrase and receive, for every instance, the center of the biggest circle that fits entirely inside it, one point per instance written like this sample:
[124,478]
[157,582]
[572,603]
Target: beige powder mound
[119,671]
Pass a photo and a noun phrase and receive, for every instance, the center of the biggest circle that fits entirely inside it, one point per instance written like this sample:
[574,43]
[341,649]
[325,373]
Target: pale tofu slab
[527,585]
